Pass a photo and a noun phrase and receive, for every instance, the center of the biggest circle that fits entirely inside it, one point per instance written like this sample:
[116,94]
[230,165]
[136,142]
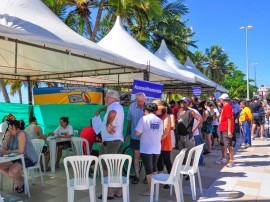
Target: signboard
[152,91]
[217,94]
[68,95]
[197,91]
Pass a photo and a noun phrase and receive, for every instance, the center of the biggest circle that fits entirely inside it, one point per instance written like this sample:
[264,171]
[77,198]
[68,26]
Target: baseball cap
[185,99]
[224,96]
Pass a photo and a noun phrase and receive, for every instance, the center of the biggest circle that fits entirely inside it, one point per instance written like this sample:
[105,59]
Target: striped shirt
[134,115]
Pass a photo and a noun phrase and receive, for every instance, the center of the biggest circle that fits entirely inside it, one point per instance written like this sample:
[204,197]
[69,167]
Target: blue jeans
[247,132]
[198,141]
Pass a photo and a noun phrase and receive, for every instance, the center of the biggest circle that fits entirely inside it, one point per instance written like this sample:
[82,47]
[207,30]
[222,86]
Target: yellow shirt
[245,115]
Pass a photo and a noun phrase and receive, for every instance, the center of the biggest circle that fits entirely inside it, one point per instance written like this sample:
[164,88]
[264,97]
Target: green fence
[48,115]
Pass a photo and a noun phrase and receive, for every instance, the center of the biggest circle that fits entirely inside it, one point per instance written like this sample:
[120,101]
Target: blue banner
[151,90]
[197,91]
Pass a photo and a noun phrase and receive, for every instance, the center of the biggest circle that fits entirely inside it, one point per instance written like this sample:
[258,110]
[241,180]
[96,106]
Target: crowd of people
[154,130]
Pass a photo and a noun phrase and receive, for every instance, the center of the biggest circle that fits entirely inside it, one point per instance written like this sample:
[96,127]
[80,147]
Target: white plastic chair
[77,146]
[38,145]
[173,179]
[81,167]
[115,166]
[192,170]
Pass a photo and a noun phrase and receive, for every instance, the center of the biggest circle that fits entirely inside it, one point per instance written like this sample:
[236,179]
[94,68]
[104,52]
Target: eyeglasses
[109,98]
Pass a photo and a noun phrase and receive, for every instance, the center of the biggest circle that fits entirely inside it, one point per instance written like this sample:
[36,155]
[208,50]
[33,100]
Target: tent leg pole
[29,85]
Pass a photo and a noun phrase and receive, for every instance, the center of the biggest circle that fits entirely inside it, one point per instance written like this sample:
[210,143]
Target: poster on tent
[197,91]
[68,95]
[217,94]
[152,90]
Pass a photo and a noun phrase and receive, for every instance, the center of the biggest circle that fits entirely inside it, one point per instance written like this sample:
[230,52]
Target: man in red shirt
[226,127]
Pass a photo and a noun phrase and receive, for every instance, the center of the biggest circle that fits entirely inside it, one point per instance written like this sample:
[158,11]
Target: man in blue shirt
[134,114]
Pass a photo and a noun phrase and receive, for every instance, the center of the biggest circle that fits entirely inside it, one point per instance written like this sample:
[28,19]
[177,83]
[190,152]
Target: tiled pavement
[249,180]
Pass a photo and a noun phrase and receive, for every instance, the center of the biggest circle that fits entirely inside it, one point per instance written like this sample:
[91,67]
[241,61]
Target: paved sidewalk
[249,180]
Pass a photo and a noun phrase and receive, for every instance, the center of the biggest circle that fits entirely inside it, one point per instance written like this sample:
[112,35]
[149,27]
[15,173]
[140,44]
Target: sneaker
[221,161]
[262,139]
[247,145]
[243,146]
[253,138]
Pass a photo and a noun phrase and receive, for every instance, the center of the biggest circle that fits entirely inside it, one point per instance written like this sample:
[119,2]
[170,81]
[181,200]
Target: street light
[247,28]
[255,77]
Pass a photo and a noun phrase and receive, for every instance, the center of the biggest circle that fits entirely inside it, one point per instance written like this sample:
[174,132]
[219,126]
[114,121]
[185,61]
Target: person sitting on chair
[64,131]
[17,141]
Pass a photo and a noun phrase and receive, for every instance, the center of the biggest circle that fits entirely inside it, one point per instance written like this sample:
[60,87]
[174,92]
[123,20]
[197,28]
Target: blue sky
[218,22]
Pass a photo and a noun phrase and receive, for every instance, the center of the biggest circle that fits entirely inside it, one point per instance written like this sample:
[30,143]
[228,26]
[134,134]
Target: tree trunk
[4,91]
[88,26]
[20,94]
[98,19]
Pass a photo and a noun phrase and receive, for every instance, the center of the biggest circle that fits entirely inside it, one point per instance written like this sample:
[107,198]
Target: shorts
[215,131]
[225,140]
[150,163]
[186,142]
[260,120]
[110,147]
[134,144]
[27,162]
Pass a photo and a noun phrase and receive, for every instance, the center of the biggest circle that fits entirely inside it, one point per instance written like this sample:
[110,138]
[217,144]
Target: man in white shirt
[111,133]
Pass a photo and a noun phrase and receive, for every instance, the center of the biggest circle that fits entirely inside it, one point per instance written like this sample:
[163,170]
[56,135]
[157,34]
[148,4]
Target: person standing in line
[111,133]
[134,114]
[215,126]
[185,128]
[197,135]
[226,126]
[150,128]
[245,120]
[207,128]
[258,117]
[175,110]
[166,142]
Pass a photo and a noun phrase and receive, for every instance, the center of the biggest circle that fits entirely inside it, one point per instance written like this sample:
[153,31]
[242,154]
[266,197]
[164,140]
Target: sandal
[118,196]
[146,193]
[20,189]
[108,197]
[135,180]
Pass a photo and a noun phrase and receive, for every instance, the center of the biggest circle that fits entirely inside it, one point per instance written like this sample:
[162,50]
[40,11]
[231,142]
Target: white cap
[224,96]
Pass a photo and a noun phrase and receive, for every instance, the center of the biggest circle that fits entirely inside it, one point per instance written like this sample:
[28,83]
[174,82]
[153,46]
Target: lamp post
[255,77]
[247,28]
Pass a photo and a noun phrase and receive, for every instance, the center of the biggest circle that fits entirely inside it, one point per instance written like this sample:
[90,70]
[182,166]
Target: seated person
[35,132]
[17,141]
[4,126]
[89,134]
[65,131]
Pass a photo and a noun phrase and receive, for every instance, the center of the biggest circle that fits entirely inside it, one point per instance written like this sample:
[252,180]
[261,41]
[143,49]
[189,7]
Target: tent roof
[166,55]
[35,43]
[119,41]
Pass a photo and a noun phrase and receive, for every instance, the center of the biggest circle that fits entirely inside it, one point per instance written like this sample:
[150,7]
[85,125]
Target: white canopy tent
[119,41]
[35,44]
[190,64]
[167,56]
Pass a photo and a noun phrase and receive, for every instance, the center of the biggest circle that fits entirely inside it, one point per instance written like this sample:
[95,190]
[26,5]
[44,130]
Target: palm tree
[217,64]
[4,90]
[200,60]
